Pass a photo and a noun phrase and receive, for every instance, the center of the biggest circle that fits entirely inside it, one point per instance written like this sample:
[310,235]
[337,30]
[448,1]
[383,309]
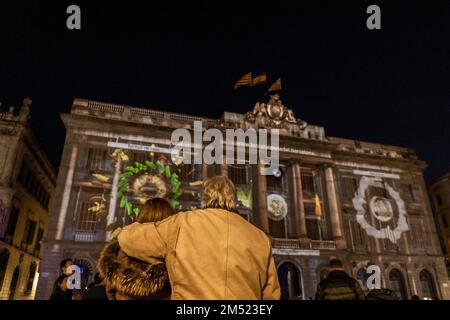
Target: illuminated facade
[27,181]
[365,203]
[440,194]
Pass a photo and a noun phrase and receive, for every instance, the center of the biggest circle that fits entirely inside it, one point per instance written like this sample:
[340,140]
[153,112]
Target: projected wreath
[149,179]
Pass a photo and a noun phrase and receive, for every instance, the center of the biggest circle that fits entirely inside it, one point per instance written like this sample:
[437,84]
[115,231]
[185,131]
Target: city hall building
[364,203]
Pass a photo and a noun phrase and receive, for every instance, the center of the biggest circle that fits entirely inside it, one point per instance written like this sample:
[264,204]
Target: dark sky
[390,86]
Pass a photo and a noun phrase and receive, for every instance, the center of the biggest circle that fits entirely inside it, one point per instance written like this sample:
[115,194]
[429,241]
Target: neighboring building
[365,203]
[27,182]
[440,193]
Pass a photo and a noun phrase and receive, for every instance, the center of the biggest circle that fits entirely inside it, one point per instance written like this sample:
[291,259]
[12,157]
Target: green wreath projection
[158,173]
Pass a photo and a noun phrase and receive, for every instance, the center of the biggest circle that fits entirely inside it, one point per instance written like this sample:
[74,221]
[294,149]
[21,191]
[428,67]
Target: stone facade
[440,194]
[365,203]
[27,181]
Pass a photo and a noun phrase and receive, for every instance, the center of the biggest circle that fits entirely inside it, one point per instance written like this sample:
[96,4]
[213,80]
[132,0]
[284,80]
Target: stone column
[299,207]
[59,230]
[204,171]
[224,170]
[53,245]
[113,199]
[336,228]
[430,232]
[260,195]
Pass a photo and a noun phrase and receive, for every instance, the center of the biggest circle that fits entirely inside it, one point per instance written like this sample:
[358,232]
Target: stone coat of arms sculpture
[275,114]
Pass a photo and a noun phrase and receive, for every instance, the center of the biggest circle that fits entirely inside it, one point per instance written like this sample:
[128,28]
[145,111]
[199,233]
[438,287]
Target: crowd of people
[207,253]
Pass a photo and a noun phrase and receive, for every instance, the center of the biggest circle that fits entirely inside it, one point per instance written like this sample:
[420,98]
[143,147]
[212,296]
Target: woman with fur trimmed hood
[127,278]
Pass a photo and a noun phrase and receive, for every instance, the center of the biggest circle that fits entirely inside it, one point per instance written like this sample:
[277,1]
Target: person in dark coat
[63,266]
[339,285]
[60,292]
[96,290]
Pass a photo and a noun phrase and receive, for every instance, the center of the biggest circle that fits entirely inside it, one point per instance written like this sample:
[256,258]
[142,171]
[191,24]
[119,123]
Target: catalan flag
[276,86]
[246,80]
[317,206]
[260,79]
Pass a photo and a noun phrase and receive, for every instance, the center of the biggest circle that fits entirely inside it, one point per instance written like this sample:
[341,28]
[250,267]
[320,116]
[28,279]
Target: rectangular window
[238,174]
[313,224]
[140,157]
[307,183]
[312,228]
[12,223]
[32,184]
[417,234]
[357,232]
[39,238]
[87,220]
[30,230]
[97,159]
[348,187]
[274,183]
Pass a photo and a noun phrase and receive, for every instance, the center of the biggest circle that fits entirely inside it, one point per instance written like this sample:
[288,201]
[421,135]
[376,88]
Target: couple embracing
[208,254]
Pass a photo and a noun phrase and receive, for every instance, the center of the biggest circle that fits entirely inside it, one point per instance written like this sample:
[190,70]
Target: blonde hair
[154,210]
[219,192]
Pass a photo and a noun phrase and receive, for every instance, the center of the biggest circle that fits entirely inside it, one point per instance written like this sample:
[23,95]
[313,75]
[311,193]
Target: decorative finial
[27,102]
[25,110]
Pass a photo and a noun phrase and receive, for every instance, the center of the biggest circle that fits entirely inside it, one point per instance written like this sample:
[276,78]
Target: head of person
[219,192]
[61,282]
[336,265]
[155,209]
[66,263]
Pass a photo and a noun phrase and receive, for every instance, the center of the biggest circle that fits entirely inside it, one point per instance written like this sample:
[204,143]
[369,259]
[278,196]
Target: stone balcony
[303,244]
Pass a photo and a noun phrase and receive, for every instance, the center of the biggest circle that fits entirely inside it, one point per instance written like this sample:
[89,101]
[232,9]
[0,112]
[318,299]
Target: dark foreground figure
[339,285]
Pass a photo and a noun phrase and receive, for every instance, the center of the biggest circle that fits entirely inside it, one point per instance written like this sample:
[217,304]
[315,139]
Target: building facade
[27,182]
[440,194]
[362,202]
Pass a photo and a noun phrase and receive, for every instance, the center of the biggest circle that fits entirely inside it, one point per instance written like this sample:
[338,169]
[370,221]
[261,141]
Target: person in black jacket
[96,290]
[63,267]
[60,290]
[339,285]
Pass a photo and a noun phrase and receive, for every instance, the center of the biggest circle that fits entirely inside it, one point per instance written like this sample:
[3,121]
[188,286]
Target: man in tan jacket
[211,253]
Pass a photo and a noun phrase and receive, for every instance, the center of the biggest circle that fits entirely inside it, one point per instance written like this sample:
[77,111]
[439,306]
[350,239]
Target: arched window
[31,275]
[397,283]
[4,258]
[427,282]
[290,281]
[13,284]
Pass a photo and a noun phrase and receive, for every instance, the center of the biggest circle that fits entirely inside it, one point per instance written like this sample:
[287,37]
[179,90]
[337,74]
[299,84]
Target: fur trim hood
[131,277]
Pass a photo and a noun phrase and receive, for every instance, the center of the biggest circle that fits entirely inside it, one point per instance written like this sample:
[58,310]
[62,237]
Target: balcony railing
[323,245]
[303,244]
[84,236]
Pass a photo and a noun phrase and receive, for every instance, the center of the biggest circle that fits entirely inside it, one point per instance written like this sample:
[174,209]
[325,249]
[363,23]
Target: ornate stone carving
[274,114]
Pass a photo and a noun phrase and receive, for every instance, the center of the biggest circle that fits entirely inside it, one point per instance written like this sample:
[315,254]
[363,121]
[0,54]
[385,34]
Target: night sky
[389,86]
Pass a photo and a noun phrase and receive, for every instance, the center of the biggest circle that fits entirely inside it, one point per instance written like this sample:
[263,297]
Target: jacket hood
[131,277]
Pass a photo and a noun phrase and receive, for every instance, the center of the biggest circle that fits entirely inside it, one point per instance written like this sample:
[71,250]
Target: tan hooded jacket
[209,254]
